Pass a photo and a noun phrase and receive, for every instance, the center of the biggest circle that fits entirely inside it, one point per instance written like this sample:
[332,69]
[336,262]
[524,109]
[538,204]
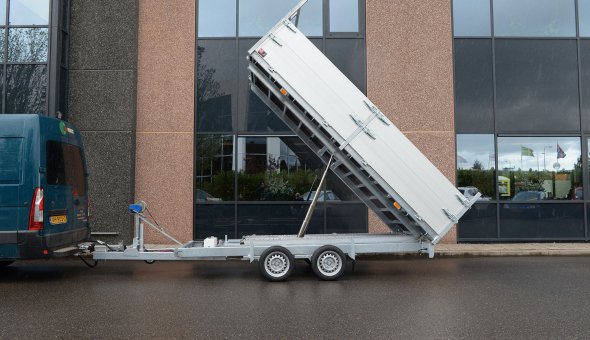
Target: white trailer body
[356,141]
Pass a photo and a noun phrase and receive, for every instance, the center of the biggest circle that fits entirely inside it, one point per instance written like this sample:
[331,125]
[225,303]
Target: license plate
[61,219]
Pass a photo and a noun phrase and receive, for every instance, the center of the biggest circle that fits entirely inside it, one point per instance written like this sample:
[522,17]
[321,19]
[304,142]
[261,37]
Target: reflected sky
[544,150]
[471,17]
[584,17]
[255,22]
[344,16]
[310,18]
[535,18]
[217,18]
[29,12]
[475,147]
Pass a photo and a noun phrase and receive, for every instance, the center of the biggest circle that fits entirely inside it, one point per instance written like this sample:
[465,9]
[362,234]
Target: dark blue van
[43,188]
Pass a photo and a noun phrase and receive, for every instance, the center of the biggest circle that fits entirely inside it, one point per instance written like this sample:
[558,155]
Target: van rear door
[10,181]
[65,195]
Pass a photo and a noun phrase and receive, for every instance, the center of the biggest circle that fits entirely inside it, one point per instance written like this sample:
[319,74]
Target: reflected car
[327,195]
[578,193]
[205,196]
[520,208]
[468,192]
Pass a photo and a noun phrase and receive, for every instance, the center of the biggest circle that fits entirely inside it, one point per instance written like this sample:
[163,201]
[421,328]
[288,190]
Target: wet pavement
[404,298]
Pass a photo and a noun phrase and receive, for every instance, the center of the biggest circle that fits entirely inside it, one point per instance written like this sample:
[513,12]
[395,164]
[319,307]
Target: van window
[65,166]
[10,160]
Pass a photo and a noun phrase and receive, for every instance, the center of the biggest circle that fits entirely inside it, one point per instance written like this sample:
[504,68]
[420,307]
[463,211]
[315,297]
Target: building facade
[496,93]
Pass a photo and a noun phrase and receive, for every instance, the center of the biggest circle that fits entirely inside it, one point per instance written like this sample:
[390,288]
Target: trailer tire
[5,263]
[276,263]
[328,263]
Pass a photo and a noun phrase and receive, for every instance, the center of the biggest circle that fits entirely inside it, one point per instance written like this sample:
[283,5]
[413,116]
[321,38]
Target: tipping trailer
[356,141]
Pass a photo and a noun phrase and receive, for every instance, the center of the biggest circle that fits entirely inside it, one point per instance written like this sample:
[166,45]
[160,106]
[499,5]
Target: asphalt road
[443,298]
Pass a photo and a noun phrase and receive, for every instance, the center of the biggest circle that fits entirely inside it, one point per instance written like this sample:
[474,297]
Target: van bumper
[31,245]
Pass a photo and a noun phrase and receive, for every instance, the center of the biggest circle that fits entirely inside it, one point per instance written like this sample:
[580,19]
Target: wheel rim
[276,264]
[329,263]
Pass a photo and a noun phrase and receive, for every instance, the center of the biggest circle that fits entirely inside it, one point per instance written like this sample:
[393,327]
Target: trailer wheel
[5,263]
[328,263]
[276,263]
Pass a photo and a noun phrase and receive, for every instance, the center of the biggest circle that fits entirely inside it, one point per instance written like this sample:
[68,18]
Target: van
[43,188]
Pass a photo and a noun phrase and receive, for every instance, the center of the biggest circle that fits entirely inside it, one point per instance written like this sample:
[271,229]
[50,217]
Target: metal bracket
[377,112]
[326,124]
[369,133]
[450,215]
[289,25]
[275,39]
[463,200]
[356,119]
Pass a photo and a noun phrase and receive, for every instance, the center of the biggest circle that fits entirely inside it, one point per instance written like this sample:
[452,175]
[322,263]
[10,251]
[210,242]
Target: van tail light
[36,214]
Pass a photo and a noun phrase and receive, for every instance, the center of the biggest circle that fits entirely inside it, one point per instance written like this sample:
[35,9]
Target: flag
[560,152]
[461,159]
[526,151]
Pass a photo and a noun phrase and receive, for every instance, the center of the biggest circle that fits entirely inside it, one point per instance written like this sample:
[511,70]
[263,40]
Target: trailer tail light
[36,213]
[396,205]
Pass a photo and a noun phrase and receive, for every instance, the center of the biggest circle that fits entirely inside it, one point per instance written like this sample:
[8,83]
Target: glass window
[29,12]
[215,176]
[2,12]
[253,114]
[474,94]
[215,220]
[27,44]
[310,20]
[278,219]
[585,80]
[26,89]
[535,18]
[346,217]
[537,85]
[478,223]
[2,42]
[471,18]
[349,56]
[65,166]
[258,16]
[584,17]
[537,221]
[216,85]
[217,18]
[539,168]
[344,16]
[475,165]
[269,170]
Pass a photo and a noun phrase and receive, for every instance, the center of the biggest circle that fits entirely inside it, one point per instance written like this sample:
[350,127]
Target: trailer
[355,141]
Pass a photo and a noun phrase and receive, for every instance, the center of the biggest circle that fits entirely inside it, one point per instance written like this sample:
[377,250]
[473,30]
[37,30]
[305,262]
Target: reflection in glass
[535,18]
[27,44]
[2,12]
[344,16]
[539,168]
[475,165]
[216,85]
[474,94]
[346,218]
[253,113]
[258,16]
[215,220]
[585,81]
[537,85]
[277,219]
[2,42]
[29,12]
[471,18]
[537,220]
[268,170]
[479,222]
[26,89]
[584,17]
[217,18]
[349,56]
[310,20]
[215,178]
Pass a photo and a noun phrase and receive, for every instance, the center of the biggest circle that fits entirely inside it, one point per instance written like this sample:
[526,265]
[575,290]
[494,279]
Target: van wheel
[5,263]
[276,263]
[328,263]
